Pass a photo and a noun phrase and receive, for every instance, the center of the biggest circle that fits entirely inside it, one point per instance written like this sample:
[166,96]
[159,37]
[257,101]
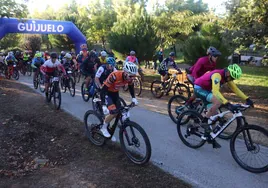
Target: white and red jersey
[49,66]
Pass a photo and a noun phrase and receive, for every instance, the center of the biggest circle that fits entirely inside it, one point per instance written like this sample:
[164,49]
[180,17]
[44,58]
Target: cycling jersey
[202,66]
[81,58]
[166,63]
[26,57]
[103,72]
[88,67]
[212,81]
[50,67]
[103,61]
[38,62]
[116,80]
[132,59]
[10,59]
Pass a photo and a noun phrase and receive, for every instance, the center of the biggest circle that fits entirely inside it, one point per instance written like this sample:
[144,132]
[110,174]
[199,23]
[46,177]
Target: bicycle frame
[171,81]
[237,115]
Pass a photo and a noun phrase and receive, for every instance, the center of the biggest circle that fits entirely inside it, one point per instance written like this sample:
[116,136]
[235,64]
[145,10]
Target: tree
[10,41]
[134,31]
[31,42]
[10,8]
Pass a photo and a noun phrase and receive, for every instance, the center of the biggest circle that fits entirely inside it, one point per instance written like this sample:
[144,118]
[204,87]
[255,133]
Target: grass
[254,76]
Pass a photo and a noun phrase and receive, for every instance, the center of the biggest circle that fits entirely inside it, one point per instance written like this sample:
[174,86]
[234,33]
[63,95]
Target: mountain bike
[54,91]
[178,104]
[87,94]
[137,86]
[68,82]
[39,81]
[29,68]
[133,139]
[251,140]
[159,88]
[12,71]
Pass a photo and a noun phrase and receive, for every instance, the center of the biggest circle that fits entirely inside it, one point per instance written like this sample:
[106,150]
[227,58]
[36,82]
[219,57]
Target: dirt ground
[41,147]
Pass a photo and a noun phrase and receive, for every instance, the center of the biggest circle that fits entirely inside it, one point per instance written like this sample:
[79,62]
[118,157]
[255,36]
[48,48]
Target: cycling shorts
[163,72]
[203,94]
[113,102]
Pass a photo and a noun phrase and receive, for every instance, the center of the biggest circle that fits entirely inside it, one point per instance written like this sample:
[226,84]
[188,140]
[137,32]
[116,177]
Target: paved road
[204,167]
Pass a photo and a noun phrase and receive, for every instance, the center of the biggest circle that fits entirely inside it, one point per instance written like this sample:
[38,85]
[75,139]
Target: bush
[196,47]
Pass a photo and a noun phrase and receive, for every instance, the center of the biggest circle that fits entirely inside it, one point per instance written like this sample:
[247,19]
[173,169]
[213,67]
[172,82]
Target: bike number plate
[55,79]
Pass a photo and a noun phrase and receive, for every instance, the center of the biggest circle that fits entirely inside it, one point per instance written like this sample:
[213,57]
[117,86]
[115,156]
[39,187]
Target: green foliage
[134,31]
[10,41]
[11,8]
[31,42]
[196,47]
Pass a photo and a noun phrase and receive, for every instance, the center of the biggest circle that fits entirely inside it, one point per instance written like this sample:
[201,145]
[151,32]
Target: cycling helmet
[130,68]
[10,53]
[62,53]
[103,54]
[111,61]
[172,54]
[68,56]
[81,53]
[213,51]
[235,71]
[38,55]
[132,52]
[53,55]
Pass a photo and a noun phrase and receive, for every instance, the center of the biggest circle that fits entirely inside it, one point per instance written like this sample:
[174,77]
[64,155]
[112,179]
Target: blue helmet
[111,61]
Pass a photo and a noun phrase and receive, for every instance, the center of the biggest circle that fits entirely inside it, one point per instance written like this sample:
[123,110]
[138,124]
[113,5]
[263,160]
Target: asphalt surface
[203,167]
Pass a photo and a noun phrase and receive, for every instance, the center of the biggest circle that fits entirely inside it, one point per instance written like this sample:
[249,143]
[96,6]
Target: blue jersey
[37,61]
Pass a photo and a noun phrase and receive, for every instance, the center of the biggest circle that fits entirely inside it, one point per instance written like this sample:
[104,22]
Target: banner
[33,26]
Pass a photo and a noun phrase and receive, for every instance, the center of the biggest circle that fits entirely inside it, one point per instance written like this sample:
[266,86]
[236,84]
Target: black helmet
[213,51]
[172,54]
[53,55]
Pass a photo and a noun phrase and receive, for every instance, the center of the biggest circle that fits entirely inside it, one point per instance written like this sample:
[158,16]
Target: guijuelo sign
[39,27]
[14,25]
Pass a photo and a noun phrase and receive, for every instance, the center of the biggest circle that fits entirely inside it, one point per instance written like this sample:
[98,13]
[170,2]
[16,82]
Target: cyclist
[132,58]
[104,71]
[46,55]
[10,60]
[102,58]
[207,88]
[36,63]
[110,92]
[2,61]
[88,68]
[204,64]
[18,56]
[163,67]
[49,67]
[62,54]
[26,58]
[82,56]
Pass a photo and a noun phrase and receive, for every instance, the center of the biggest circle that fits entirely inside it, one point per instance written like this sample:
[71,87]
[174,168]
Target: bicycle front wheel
[176,105]
[71,86]
[249,148]
[57,96]
[157,89]
[85,94]
[137,86]
[135,143]
[183,90]
[41,83]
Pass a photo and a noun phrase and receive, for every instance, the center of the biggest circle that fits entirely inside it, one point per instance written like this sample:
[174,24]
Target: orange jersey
[115,80]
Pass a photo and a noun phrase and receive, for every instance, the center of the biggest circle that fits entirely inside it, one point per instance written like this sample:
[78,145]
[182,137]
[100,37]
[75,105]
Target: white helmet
[68,56]
[103,54]
[130,68]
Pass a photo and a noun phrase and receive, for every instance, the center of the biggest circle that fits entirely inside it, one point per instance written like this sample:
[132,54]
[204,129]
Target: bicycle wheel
[135,144]
[176,105]
[16,74]
[85,95]
[71,86]
[93,122]
[230,129]
[183,90]
[191,131]
[62,84]
[29,70]
[41,83]
[36,82]
[252,142]
[56,96]
[78,77]
[137,86]
[50,93]
[157,89]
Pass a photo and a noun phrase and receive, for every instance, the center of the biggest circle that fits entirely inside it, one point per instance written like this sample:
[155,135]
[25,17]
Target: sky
[41,4]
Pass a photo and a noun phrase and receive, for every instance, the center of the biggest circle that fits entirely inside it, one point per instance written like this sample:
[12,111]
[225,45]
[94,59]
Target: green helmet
[235,71]
[38,54]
